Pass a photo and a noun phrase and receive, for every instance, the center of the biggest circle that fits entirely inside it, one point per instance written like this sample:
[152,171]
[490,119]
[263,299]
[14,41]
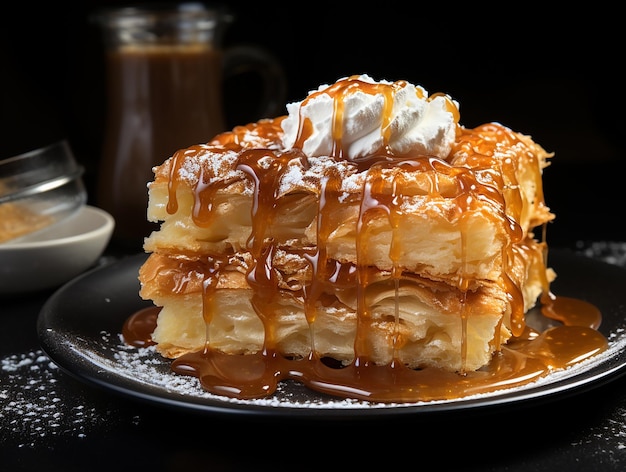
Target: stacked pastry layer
[428,261]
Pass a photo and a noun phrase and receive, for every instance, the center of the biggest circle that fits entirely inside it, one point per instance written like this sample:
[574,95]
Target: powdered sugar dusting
[33,408]
[145,366]
[613,252]
[606,442]
[217,161]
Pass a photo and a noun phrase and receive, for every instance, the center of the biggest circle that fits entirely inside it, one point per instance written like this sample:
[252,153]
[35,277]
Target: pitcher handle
[255,85]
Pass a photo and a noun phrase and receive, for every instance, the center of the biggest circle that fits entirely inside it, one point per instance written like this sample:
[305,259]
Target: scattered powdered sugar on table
[609,437]
[613,252]
[32,407]
[611,433]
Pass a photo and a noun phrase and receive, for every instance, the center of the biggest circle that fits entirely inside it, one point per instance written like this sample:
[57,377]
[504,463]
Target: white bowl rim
[107,225]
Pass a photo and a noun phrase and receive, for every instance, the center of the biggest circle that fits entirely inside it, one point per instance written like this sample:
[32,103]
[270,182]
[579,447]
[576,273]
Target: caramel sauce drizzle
[529,355]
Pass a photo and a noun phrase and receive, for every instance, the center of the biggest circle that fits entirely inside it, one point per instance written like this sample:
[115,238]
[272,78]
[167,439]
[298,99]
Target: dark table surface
[51,420]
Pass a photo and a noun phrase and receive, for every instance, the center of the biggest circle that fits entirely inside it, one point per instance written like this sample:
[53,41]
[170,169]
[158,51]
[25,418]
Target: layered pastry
[367,226]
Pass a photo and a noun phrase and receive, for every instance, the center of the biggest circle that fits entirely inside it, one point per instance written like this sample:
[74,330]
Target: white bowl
[54,255]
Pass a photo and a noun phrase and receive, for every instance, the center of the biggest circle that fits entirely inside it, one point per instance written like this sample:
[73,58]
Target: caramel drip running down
[529,355]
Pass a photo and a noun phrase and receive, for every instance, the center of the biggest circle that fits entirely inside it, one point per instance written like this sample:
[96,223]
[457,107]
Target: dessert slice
[367,226]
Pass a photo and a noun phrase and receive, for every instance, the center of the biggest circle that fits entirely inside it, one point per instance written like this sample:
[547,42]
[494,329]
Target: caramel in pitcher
[159,98]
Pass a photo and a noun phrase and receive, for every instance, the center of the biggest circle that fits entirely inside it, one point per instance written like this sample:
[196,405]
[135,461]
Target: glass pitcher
[165,68]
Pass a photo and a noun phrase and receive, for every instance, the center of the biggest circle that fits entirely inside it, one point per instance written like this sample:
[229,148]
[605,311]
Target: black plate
[79,328]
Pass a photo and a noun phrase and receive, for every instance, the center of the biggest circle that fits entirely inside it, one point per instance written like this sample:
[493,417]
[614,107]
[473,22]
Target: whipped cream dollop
[357,117]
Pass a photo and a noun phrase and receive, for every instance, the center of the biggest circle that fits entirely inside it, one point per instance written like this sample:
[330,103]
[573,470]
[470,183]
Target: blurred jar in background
[165,69]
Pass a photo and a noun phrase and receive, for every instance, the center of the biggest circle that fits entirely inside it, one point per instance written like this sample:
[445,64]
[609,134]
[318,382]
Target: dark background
[553,75]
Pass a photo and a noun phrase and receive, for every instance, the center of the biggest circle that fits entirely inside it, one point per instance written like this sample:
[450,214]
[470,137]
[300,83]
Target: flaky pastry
[428,260]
